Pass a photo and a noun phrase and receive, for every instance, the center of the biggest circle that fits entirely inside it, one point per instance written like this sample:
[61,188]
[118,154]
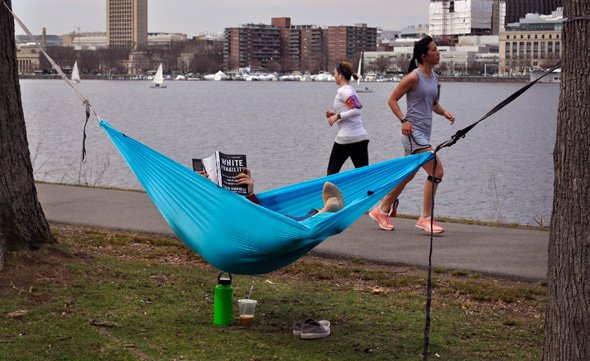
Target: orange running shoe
[424,223]
[381,218]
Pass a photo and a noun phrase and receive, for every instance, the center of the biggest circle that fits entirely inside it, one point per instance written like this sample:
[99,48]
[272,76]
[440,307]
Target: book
[222,169]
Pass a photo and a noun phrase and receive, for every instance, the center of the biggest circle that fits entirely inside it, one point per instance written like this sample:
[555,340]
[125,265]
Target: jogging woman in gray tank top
[421,89]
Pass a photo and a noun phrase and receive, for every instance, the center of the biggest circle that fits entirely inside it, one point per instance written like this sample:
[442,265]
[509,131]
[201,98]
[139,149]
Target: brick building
[295,47]
[347,43]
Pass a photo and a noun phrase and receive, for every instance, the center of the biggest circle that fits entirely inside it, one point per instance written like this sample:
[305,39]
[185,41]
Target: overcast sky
[196,16]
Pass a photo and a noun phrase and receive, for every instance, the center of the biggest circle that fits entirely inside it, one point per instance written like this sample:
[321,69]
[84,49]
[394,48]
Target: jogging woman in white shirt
[352,139]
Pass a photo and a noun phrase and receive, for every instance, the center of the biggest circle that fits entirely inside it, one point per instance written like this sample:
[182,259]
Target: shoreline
[449,79]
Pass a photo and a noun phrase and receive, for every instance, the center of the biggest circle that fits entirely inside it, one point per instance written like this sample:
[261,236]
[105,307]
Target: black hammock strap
[462,132]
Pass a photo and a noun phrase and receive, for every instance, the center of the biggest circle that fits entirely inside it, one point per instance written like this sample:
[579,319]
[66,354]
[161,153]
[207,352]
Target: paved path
[497,251]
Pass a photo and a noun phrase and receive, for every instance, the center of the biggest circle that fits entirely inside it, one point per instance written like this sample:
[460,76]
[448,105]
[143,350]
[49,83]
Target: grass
[106,295]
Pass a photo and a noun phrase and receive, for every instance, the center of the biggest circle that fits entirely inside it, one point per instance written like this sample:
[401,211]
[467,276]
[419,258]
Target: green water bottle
[222,301]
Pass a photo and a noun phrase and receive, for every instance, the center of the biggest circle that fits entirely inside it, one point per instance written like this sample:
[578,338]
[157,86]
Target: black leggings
[358,153]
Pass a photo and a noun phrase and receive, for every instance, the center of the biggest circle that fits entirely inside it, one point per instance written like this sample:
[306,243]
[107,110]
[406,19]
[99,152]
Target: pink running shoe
[381,218]
[424,223]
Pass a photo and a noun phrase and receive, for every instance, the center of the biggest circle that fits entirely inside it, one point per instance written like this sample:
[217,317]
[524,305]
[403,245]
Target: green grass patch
[104,295]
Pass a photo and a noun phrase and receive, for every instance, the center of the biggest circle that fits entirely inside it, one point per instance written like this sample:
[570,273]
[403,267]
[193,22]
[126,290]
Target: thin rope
[53,64]
[426,342]
[462,132]
[85,101]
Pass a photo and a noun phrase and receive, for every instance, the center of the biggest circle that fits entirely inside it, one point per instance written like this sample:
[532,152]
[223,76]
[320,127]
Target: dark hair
[345,68]
[420,48]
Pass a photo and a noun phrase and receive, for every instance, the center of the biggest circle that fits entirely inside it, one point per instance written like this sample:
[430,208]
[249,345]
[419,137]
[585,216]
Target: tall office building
[465,17]
[517,9]
[127,23]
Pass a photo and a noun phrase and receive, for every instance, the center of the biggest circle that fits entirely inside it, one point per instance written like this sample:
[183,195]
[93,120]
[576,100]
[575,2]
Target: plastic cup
[247,308]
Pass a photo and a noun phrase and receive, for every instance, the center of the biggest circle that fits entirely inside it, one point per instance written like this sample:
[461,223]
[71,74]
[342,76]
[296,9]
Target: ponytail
[355,76]
[412,65]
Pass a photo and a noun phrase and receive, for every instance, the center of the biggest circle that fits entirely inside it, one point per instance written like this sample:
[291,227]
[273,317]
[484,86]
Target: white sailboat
[358,81]
[75,73]
[158,81]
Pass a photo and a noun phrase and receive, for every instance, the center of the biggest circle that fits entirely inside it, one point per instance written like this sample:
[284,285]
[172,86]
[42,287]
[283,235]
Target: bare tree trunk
[22,222]
[567,320]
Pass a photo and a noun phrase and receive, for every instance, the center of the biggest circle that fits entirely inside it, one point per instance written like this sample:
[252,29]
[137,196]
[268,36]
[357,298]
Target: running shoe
[381,218]
[424,223]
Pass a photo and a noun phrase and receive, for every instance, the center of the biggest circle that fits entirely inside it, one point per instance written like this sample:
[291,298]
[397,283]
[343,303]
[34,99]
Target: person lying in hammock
[331,195]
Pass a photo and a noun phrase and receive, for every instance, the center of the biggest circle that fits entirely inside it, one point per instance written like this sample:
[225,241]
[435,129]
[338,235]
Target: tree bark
[567,318]
[22,222]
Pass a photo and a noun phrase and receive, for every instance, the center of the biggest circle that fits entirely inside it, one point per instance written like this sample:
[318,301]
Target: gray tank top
[420,102]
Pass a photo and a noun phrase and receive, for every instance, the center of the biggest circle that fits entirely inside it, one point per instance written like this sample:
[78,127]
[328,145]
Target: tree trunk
[567,319]
[22,222]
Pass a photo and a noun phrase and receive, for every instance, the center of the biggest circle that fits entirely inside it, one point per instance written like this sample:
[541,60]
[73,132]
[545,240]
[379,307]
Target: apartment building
[255,45]
[295,47]
[347,42]
[127,23]
[533,42]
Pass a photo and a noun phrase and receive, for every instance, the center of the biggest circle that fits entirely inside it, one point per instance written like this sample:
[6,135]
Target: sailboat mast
[358,81]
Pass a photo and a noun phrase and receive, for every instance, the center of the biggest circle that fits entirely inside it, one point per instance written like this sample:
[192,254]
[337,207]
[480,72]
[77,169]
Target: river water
[502,170]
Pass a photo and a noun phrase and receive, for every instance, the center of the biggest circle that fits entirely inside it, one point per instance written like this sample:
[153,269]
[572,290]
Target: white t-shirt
[350,126]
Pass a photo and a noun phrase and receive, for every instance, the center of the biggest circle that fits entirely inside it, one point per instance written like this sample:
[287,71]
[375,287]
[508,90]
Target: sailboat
[358,81]
[75,73]
[158,81]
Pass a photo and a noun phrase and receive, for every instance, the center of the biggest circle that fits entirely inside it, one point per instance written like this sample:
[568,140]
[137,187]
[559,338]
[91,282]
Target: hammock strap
[57,68]
[571,19]
[462,132]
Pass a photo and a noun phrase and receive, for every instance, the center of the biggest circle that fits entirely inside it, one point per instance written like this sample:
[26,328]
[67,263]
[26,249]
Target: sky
[194,17]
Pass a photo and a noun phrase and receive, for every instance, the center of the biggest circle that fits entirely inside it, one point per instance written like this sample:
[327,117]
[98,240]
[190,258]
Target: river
[502,170]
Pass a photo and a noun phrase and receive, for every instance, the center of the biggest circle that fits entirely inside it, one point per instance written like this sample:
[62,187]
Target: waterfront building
[255,45]
[127,23]
[533,42]
[282,46]
[28,59]
[302,46]
[86,41]
[347,43]
[44,40]
[472,55]
[498,16]
[450,18]
[164,39]
[28,55]
[517,9]
[306,48]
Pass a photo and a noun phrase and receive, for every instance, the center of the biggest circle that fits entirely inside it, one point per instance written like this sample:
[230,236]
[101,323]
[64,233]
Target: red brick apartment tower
[284,24]
[337,41]
[231,49]
[347,42]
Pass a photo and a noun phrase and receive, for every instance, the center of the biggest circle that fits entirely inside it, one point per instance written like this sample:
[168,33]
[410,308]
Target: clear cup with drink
[247,308]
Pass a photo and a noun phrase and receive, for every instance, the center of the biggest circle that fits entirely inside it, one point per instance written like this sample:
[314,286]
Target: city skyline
[192,18]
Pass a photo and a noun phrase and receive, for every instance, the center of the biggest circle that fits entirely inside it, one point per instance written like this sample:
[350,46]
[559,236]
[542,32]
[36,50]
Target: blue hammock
[253,239]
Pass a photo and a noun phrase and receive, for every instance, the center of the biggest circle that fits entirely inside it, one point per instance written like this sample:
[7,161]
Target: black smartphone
[198,165]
